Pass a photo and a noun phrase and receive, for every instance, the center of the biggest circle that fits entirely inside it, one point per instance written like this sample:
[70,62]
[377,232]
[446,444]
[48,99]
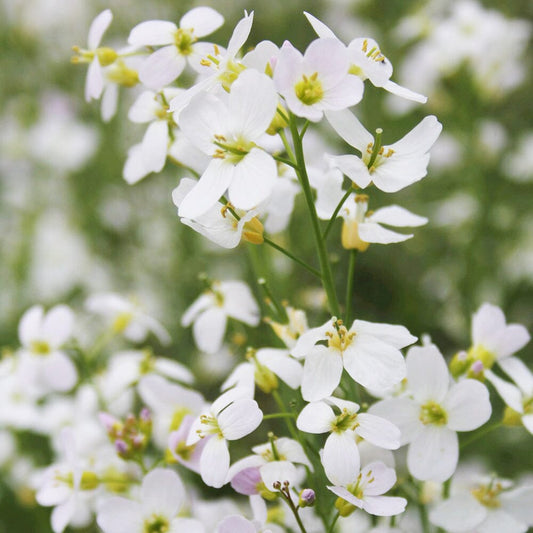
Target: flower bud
[307,498]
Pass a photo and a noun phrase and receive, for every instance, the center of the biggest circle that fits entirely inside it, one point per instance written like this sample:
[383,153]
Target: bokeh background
[70,226]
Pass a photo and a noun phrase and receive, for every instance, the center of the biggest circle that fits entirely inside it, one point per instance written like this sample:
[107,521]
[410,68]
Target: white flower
[431,413]
[211,310]
[392,167]
[367,62]
[126,317]
[227,132]
[43,366]
[178,44]
[162,496]
[369,352]
[218,224]
[341,455]
[290,332]
[231,417]
[366,488]
[318,80]
[486,507]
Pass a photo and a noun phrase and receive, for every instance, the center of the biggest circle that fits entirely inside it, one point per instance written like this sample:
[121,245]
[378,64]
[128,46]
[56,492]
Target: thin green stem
[279,248]
[290,425]
[286,143]
[287,497]
[349,287]
[424,518]
[272,301]
[278,415]
[331,528]
[325,268]
[336,212]
[284,161]
[481,433]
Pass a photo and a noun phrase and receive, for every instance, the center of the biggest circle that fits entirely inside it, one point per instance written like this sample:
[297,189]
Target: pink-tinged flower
[367,62]
[162,496]
[179,45]
[231,417]
[431,412]
[340,456]
[389,167]
[369,352]
[227,132]
[366,491]
[43,365]
[318,80]
[210,312]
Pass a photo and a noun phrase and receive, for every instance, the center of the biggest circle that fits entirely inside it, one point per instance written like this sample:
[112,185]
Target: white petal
[518,503]
[397,173]
[210,187]
[205,301]
[420,139]
[109,103]
[346,495]
[162,67]
[152,33]
[116,515]
[145,108]
[278,471]
[427,373]
[398,90]
[155,145]
[240,34]
[98,27]
[94,83]
[62,515]
[467,405]
[458,514]
[239,302]
[209,329]
[378,431]
[162,493]
[239,419]
[345,94]
[203,20]
[498,520]
[235,524]
[377,478]
[29,328]
[527,420]
[134,170]
[320,28]
[512,339]
[214,463]
[373,363]
[374,233]
[487,321]
[394,215]
[253,179]
[384,505]
[252,104]
[341,458]
[307,340]
[346,124]
[433,455]
[284,366]
[519,373]
[322,373]
[59,372]
[315,417]
[510,394]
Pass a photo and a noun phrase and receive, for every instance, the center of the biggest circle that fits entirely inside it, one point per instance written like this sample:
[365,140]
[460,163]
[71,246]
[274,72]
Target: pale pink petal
[253,179]
[152,33]
[155,145]
[162,493]
[427,374]
[214,463]
[433,455]
[161,67]
[116,515]
[378,431]
[239,419]
[377,478]
[345,94]
[329,58]
[202,20]
[209,329]
[467,405]
[235,524]
[98,27]
[322,373]
[341,458]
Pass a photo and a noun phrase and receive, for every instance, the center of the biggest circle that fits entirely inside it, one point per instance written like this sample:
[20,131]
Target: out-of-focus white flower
[231,417]
[430,413]
[126,317]
[318,80]
[179,45]
[369,352]
[209,313]
[389,167]
[367,61]
[518,165]
[366,489]
[43,365]
[290,331]
[227,132]
[161,499]
[486,505]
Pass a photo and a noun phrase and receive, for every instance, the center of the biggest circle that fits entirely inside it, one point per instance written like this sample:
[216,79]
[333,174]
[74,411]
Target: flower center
[184,39]
[156,524]
[40,347]
[480,353]
[121,322]
[309,89]
[374,53]
[380,157]
[120,74]
[340,338]
[209,427]
[433,413]
[487,495]
[232,150]
[344,422]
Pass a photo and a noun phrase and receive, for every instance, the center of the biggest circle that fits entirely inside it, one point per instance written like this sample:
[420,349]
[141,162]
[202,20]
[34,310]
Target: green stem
[284,161]
[290,425]
[481,433]
[279,248]
[325,268]
[336,212]
[332,525]
[349,287]
[272,302]
[287,497]
[286,143]
[424,519]
[278,415]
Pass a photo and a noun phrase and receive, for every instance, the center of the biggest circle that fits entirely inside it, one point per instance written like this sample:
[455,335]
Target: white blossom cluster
[370,430]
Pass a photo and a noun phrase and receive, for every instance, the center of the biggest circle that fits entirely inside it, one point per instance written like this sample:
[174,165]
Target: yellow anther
[365,45]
